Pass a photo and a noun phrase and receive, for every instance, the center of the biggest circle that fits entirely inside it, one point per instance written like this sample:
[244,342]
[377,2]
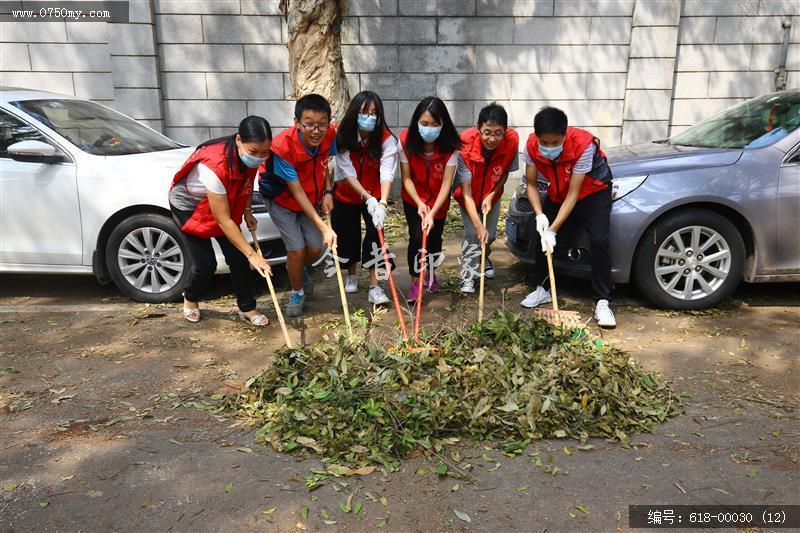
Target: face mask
[551,153]
[251,161]
[429,133]
[367,123]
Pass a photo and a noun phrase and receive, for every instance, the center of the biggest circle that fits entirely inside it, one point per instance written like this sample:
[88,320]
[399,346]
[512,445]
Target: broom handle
[423,266]
[483,274]
[341,289]
[552,278]
[275,303]
[392,286]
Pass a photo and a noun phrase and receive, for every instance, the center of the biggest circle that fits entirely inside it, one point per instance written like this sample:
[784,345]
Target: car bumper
[572,255]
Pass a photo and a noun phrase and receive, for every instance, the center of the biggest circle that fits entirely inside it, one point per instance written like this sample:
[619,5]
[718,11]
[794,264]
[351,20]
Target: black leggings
[204,264]
[434,244]
[593,213]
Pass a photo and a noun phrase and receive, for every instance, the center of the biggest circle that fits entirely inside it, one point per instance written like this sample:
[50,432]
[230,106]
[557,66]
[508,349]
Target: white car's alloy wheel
[150,260]
[692,263]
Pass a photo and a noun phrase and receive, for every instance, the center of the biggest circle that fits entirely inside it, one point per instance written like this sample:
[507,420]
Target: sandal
[256,320]
[192,315]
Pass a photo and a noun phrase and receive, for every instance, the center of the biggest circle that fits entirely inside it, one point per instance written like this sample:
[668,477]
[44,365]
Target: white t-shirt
[582,165]
[198,183]
[343,166]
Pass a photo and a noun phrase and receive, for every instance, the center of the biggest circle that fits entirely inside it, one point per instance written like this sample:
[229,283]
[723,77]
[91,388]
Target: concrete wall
[629,70]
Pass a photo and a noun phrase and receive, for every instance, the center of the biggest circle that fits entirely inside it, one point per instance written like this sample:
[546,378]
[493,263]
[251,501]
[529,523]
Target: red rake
[393,287]
[423,258]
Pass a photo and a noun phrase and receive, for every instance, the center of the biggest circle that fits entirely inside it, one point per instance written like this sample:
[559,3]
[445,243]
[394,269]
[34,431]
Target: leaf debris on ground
[508,379]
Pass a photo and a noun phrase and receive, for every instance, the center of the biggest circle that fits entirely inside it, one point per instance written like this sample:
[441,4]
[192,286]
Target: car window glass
[13,130]
[752,124]
[794,158]
[94,128]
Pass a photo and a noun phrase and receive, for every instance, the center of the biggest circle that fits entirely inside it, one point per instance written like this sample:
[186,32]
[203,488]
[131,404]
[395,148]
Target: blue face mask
[251,161]
[551,153]
[367,123]
[429,133]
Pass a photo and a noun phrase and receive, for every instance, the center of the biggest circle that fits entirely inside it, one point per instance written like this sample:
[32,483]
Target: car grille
[523,205]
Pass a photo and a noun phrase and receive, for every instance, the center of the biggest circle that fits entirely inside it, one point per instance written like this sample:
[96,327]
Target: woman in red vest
[365,167]
[490,153]
[428,164]
[579,189]
[209,196]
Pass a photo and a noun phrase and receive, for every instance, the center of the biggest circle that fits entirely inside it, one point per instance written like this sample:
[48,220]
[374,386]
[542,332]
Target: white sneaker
[536,298]
[351,284]
[604,315]
[377,296]
[468,286]
[489,272]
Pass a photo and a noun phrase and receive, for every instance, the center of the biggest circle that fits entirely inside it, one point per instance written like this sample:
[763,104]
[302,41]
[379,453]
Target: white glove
[372,203]
[548,240]
[378,216]
[542,223]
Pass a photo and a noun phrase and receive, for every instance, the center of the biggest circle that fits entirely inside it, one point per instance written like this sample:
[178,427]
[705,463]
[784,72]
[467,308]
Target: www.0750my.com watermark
[70,11]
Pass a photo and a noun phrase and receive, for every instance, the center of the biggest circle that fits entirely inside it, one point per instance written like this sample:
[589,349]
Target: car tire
[147,258]
[690,259]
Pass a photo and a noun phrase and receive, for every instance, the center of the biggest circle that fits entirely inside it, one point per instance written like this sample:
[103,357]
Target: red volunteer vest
[367,171]
[558,172]
[426,176]
[311,170]
[238,186]
[486,174]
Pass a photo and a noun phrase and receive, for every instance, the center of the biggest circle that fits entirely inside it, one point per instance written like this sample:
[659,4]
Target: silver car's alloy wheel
[692,263]
[150,260]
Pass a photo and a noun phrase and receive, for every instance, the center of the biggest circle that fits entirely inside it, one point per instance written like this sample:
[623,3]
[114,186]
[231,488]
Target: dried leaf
[462,515]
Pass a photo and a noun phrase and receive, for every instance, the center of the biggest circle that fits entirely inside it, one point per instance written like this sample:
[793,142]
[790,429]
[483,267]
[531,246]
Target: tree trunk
[315,50]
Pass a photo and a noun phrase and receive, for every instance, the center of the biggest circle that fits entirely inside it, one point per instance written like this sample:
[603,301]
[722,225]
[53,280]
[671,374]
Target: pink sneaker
[434,285]
[413,292]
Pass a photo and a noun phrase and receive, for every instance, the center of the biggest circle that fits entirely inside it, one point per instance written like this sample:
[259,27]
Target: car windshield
[752,124]
[94,128]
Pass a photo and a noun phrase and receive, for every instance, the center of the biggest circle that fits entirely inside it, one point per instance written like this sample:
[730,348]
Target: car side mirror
[34,152]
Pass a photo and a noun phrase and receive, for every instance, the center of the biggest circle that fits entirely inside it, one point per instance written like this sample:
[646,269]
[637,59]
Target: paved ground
[102,426]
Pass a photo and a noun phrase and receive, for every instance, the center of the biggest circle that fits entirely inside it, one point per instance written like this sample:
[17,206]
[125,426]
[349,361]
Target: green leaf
[357,508]
[304,512]
[269,511]
[582,509]
[381,524]
[753,472]
[8,487]
[523,488]
[44,503]
[462,515]
[686,394]
[441,469]
[228,487]
[175,441]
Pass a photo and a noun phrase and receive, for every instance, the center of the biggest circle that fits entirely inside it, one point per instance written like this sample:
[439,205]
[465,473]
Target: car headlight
[621,187]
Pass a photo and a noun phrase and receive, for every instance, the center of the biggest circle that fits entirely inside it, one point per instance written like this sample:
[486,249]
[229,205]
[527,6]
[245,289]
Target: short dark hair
[347,132]
[448,140]
[493,112]
[550,120]
[311,102]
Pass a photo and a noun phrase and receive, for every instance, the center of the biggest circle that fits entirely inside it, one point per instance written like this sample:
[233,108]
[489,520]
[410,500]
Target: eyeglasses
[315,127]
[492,134]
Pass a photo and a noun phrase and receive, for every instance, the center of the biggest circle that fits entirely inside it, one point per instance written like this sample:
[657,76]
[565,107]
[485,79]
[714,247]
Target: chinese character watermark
[379,262]
[328,258]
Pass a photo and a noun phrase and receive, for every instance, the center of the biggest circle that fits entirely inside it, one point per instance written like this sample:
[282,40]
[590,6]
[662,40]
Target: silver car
[695,214]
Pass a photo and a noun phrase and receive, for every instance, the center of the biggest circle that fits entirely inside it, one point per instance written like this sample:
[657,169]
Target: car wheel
[691,259]
[147,259]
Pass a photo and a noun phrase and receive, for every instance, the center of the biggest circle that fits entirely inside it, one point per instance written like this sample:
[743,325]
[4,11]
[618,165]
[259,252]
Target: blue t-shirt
[286,171]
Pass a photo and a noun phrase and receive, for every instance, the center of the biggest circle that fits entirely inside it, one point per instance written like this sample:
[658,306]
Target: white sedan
[83,190]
